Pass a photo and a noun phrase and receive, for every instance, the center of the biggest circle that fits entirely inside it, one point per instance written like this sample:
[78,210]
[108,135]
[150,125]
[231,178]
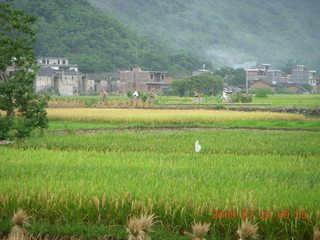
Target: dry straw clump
[316,234]
[20,219]
[198,231]
[138,228]
[247,231]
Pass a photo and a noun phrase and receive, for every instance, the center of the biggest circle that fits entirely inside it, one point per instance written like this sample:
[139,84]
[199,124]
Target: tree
[232,76]
[23,109]
[183,87]
[307,86]
[205,83]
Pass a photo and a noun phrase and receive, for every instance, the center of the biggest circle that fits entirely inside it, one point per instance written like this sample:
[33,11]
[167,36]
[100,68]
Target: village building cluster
[263,76]
[57,76]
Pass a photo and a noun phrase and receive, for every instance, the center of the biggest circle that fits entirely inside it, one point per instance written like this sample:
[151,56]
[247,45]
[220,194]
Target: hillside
[232,32]
[97,41]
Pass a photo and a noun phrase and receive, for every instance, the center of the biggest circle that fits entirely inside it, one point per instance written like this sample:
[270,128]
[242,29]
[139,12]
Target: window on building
[162,76]
[43,61]
[47,61]
[151,76]
[63,61]
[58,61]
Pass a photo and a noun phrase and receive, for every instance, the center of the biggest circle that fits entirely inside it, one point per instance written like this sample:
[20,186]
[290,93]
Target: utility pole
[247,90]
[212,86]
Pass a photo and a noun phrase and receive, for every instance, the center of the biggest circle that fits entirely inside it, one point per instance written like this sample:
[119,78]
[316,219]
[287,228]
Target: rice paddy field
[90,184]
[66,118]
[274,100]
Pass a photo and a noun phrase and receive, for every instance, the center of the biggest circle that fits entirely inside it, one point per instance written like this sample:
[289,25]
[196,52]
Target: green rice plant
[101,179]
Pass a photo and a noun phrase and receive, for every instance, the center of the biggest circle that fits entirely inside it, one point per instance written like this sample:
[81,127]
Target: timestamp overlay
[261,214]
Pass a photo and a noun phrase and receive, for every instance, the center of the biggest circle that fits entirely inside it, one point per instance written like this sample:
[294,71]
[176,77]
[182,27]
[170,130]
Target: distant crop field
[275,100]
[163,116]
[104,178]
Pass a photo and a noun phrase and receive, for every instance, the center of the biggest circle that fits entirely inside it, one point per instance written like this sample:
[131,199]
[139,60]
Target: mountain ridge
[97,41]
[228,32]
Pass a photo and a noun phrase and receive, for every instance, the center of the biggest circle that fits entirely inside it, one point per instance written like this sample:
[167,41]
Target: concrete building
[264,72]
[301,74]
[57,76]
[97,82]
[146,81]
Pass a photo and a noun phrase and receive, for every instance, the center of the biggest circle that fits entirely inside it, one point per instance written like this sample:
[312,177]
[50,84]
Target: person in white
[197,146]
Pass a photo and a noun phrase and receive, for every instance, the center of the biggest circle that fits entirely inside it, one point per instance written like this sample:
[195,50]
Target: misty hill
[231,31]
[95,40]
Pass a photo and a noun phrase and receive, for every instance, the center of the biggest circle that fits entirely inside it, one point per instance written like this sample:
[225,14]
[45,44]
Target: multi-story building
[57,63]
[56,75]
[145,81]
[301,74]
[264,72]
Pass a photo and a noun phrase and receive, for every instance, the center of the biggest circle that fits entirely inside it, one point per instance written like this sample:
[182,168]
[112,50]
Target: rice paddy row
[105,178]
[164,116]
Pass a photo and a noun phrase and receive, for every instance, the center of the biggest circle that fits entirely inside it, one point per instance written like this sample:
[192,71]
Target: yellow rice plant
[316,234]
[163,116]
[65,103]
[247,231]
[20,218]
[138,228]
[198,231]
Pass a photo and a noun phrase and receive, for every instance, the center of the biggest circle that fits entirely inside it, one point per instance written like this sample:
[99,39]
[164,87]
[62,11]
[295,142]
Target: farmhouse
[57,76]
[145,81]
[293,87]
[301,74]
[262,84]
[265,73]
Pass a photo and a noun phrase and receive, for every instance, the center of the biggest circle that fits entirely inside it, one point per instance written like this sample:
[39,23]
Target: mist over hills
[230,32]
[97,41]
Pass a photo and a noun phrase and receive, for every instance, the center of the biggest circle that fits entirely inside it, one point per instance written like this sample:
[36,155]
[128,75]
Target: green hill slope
[229,32]
[95,40]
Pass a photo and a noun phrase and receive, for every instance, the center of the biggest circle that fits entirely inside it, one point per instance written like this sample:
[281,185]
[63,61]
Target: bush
[239,97]
[262,92]
[129,94]
[219,106]
[5,126]
[284,91]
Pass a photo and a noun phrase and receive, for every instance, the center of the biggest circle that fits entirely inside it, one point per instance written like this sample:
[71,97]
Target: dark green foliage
[239,97]
[205,83]
[232,76]
[288,66]
[183,87]
[24,110]
[283,91]
[262,92]
[306,86]
[96,41]
[219,106]
[129,94]
[144,97]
